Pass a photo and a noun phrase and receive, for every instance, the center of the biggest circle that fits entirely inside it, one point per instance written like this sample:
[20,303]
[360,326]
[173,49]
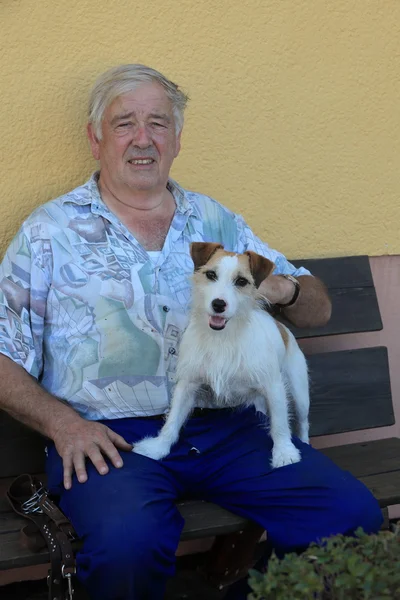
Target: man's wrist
[61,419]
[293,287]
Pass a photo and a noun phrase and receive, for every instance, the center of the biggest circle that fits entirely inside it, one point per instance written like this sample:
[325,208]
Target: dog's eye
[211,275]
[241,282]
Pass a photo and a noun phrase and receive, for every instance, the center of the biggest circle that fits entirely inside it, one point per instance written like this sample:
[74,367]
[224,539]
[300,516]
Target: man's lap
[225,459]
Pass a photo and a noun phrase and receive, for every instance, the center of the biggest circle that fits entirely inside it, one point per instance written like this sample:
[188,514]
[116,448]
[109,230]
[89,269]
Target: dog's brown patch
[252,265]
[284,333]
[201,252]
[260,267]
[245,267]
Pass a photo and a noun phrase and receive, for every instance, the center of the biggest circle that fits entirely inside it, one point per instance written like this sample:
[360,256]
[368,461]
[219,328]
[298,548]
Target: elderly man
[94,297]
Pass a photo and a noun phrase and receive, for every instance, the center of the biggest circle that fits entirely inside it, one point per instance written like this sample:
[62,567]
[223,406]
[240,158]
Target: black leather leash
[48,526]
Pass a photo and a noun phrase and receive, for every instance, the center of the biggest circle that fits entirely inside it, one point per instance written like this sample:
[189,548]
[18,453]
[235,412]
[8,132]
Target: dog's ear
[260,267]
[201,252]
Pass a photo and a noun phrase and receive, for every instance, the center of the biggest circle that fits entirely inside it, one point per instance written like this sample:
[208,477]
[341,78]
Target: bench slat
[10,522]
[340,272]
[354,303]
[350,390]
[367,458]
[202,519]
[354,310]
[13,555]
[385,487]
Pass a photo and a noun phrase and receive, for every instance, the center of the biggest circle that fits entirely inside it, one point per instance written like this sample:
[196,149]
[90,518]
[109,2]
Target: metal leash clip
[31,505]
[67,574]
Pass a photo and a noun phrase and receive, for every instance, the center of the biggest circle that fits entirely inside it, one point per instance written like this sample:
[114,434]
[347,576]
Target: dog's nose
[218,305]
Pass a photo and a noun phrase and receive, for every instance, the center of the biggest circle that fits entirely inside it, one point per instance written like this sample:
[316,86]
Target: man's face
[139,142]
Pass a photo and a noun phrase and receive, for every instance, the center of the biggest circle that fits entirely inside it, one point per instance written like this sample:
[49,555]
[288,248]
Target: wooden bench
[350,390]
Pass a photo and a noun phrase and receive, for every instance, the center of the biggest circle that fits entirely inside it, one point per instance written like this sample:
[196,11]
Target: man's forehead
[146,98]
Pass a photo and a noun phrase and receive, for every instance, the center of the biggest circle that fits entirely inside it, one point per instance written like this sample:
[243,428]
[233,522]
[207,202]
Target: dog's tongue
[217,322]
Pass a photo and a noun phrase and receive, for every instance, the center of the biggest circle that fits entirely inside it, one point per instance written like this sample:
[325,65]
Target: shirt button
[165,308]
[172,351]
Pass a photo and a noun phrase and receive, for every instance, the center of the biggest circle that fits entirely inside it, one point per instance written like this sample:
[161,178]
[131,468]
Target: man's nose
[142,137]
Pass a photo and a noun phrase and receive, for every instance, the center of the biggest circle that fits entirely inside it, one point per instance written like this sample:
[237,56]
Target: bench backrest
[350,389]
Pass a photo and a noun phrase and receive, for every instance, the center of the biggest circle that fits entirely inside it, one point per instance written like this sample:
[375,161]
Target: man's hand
[75,438]
[78,439]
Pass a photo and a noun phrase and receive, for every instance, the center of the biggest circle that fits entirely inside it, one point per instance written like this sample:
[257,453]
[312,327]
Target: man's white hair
[125,78]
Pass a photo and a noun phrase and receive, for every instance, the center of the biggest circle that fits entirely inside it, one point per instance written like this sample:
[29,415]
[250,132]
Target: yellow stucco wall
[294,119]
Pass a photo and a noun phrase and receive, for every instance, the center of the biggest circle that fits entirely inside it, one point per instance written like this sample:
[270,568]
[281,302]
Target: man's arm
[75,438]
[312,308]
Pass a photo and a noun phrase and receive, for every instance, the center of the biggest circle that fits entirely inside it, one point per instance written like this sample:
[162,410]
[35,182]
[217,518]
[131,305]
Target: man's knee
[363,509]
[349,506]
[133,542]
[122,557]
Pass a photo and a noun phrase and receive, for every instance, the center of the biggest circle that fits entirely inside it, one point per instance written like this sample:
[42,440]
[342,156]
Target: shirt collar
[90,194]
[184,204]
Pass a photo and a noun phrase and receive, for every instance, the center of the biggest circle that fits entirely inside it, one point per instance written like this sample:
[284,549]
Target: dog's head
[225,283]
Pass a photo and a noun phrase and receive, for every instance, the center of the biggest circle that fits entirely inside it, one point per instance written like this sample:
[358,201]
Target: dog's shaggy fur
[237,349]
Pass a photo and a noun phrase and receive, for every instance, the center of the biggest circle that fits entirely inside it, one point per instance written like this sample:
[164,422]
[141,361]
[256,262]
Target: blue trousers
[131,528]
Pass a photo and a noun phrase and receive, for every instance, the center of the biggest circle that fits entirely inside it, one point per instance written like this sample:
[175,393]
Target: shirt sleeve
[24,287]
[247,240]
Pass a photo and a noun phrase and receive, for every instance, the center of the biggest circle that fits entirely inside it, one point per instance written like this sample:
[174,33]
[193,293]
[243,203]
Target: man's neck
[141,204]
[147,216]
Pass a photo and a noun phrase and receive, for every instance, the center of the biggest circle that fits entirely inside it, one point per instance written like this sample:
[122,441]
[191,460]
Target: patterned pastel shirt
[94,317]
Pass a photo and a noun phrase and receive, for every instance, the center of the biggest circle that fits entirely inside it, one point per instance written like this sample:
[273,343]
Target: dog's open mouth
[216,322]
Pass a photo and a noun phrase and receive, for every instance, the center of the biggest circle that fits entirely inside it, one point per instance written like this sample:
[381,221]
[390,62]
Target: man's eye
[241,281]
[121,125]
[155,124]
[211,275]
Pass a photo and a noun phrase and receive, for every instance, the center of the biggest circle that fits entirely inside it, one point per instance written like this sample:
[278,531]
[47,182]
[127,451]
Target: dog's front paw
[285,455]
[152,447]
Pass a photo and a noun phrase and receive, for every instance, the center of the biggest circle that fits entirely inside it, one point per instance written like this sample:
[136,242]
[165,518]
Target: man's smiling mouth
[141,161]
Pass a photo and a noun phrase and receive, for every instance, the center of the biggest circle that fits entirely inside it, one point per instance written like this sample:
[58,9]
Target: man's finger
[67,467]
[97,459]
[111,451]
[119,441]
[80,467]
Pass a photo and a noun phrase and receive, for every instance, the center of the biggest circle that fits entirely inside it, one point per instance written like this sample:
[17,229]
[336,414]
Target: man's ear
[93,141]
[201,252]
[260,267]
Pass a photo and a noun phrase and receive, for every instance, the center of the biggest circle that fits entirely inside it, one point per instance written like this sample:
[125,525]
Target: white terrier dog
[239,350]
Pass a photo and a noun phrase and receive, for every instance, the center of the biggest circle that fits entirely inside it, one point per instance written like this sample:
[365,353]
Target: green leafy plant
[364,567]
